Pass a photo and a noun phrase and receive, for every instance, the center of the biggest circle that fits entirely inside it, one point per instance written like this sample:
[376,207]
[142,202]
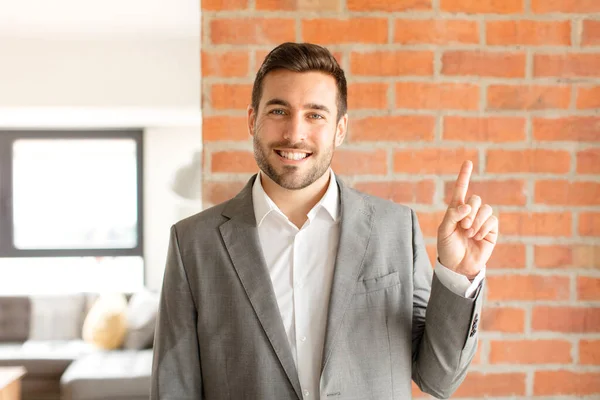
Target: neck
[295,204]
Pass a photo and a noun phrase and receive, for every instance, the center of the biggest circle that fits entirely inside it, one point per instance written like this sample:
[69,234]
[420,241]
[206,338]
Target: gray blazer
[219,334]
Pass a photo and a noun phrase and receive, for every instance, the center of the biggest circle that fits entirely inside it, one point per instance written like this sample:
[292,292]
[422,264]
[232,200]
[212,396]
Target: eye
[315,116]
[277,111]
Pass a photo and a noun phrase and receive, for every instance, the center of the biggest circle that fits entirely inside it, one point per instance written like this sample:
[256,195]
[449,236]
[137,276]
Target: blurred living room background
[101,102]
[100,144]
[159,91]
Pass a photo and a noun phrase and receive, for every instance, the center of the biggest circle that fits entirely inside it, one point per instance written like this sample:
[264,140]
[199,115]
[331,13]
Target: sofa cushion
[57,317]
[15,313]
[43,358]
[108,375]
[141,320]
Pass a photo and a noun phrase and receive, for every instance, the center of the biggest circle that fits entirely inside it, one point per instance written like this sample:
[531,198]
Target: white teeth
[292,156]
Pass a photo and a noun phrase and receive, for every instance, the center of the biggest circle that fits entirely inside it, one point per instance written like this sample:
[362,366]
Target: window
[75,194]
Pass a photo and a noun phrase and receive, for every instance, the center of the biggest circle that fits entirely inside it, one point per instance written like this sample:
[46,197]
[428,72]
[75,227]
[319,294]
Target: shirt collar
[263,205]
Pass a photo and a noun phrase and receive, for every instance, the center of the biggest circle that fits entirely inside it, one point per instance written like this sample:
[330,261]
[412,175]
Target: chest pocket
[376,284]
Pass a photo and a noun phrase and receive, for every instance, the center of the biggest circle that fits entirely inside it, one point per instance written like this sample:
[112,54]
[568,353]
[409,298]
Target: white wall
[100,72]
[165,150]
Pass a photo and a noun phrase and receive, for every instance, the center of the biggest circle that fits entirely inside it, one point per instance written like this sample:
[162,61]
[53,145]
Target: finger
[489,230]
[485,212]
[475,203]
[462,184]
[451,219]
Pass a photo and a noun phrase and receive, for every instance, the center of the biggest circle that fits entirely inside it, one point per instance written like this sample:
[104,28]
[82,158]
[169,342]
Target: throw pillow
[105,324]
[141,320]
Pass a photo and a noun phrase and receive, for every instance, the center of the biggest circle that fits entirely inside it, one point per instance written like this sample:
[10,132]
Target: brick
[400,191]
[483,63]
[298,5]
[548,383]
[231,96]
[483,6]
[368,96]
[436,31]
[416,392]
[529,33]
[565,6]
[528,161]
[389,6]
[222,5]
[505,192]
[591,33]
[392,63]
[214,193]
[480,385]
[581,129]
[431,253]
[224,128]
[588,98]
[349,162]
[530,352]
[434,161]
[566,319]
[484,129]
[259,58]
[588,288]
[392,128]
[532,97]
[507,256]
[225,64]
[345,31]
[588,161]
[233,162]
[547,224]
[503,319]
[271,31]
[527,287]
[437,96]
[589,224]
[566,65]
[555,192]
[567,256]
[589,352]
[429,222]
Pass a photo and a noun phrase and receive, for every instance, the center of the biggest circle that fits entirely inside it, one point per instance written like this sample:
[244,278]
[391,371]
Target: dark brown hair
[302,57]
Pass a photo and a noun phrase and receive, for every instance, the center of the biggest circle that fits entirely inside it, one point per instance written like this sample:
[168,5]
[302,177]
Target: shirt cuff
[457,283]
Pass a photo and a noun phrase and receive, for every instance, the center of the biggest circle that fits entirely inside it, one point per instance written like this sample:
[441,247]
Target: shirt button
[306,393]
[303,338]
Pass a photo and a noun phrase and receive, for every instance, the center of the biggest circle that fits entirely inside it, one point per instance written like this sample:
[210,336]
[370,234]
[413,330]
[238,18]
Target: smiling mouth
[293,155]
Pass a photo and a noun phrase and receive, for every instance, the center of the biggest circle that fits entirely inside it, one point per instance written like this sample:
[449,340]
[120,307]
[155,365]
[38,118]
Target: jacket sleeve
[444,335]
[176,373]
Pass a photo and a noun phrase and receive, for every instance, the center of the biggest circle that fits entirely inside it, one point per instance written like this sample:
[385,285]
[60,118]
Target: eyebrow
[308,106]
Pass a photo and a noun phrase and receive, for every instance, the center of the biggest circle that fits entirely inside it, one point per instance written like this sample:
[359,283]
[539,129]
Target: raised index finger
[462,183]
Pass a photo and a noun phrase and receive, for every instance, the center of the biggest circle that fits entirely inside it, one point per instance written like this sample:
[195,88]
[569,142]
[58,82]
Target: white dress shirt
[301,263]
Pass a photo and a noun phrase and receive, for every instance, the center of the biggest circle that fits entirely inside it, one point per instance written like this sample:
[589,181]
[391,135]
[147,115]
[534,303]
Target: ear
[341,129]
[251,120]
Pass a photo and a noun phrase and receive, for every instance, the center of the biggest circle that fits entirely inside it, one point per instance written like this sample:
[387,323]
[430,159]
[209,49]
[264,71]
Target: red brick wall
[513,85]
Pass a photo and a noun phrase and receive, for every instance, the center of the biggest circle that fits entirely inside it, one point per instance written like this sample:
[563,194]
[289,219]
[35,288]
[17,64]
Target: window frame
[7,139]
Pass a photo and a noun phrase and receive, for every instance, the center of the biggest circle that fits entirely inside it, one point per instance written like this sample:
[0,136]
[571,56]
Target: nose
[295,129]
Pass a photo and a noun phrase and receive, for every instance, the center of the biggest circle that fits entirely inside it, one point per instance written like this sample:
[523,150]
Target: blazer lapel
[241,239]
[355,232]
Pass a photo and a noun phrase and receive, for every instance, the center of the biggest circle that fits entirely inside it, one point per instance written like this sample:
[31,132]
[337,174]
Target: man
[302,288]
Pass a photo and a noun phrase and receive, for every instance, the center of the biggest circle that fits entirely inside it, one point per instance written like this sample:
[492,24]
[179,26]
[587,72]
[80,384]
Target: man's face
[295,128]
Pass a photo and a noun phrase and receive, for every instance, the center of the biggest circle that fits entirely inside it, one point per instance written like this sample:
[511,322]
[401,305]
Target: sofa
[46,335]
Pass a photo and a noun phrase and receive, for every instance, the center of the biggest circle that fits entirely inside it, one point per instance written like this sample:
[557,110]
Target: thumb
[451,219]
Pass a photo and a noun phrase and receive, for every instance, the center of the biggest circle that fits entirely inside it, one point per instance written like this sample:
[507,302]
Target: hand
[469,232]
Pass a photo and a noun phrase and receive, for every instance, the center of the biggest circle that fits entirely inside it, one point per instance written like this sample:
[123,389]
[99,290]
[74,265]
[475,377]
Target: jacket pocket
[378,283]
